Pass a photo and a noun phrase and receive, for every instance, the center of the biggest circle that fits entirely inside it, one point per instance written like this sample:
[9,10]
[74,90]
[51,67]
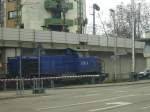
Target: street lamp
[133,35]
[97,8]
[115,44]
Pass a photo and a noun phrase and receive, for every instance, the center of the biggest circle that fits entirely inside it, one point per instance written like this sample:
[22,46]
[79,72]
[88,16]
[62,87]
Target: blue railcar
[69,63]
[53,64]
[12,66]
[61,64]
[29,65]
[89,65]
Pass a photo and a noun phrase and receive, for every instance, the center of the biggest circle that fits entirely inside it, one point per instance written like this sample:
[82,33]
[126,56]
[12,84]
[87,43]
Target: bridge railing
[26,35]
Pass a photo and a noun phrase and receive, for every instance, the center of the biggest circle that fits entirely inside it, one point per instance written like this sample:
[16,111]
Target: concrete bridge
[12,40]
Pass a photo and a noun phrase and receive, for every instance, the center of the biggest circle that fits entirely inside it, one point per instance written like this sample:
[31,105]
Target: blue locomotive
[68,64]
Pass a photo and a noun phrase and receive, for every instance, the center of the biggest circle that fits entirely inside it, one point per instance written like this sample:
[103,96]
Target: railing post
[17,86]
[22,85]
[42,84]
[33,81]
[5,85]
[52,84]
[36,83]
[93,80]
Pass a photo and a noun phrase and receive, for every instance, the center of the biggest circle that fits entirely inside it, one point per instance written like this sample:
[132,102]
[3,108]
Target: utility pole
[139,20]
[115,44]
[133,35]
[18,23]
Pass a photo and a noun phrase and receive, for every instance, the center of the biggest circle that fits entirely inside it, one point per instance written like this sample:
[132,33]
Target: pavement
[28,93]
[124,98]
[107,84]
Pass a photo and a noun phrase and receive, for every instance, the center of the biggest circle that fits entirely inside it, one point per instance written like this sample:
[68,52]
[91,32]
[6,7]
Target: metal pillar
[115,44]
[39,66]
[133,36]
[20,71]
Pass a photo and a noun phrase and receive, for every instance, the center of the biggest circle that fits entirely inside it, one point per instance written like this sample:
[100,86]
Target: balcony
[53,5]
[56,21]
[50,4]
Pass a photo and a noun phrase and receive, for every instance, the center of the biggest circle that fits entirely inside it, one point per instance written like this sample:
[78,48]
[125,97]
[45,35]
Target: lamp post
[95,8]
[133,35]
[115,44]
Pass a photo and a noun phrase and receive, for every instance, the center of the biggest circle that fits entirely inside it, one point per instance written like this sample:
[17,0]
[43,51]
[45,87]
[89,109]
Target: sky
[105,5]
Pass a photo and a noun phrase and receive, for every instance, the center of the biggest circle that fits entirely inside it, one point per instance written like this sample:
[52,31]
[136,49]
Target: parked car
[144,74]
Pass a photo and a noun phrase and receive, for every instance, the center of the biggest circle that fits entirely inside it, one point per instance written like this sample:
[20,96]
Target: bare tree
[123,19]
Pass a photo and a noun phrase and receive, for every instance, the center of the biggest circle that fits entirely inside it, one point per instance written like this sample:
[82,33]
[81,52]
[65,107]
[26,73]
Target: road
[129,98]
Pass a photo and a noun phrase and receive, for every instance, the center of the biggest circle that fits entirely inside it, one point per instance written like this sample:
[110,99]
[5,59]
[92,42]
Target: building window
[12,14]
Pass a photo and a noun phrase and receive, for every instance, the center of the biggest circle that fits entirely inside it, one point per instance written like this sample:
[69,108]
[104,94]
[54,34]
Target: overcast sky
[105,5]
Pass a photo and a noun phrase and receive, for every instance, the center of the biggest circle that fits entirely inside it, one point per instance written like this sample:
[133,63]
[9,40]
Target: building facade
[54,15]
[10,19]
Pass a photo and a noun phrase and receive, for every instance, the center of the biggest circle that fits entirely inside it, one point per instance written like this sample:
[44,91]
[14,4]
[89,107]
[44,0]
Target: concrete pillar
[148,62]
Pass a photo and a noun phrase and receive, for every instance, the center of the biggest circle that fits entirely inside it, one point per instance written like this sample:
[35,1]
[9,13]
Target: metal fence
[34,83]
[12,88]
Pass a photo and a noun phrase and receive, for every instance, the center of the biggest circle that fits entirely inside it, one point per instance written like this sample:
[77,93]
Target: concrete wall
[147,62]
[124,64]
